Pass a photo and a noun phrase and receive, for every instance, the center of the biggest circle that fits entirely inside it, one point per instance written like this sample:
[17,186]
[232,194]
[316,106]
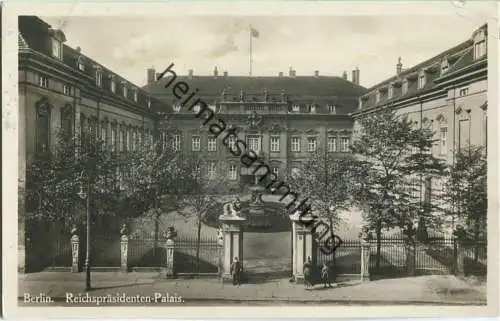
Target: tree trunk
[198,243]
[476,239]
[379,244]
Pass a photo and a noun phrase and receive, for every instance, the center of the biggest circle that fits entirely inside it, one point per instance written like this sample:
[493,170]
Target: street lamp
[86,196]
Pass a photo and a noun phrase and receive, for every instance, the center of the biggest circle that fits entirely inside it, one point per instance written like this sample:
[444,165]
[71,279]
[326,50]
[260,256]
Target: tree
[394,160]
[151,182]
[466,190]
[203,191]
[327,181]
[55,177]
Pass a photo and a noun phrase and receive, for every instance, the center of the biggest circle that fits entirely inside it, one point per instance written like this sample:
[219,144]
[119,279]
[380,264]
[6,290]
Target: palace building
[62,89]
[282,118]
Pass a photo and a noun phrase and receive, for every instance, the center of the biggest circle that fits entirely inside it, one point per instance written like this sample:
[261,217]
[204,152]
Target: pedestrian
[308,273]
[236,271]
[325,275]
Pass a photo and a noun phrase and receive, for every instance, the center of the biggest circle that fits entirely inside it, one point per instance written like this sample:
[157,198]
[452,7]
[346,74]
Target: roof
[34,33]
[301,90]
[459,58]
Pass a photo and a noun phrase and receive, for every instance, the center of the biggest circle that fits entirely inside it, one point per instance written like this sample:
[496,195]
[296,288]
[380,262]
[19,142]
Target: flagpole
[250,50]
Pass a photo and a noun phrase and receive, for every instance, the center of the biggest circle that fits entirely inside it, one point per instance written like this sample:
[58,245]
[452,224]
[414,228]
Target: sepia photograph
[247,158]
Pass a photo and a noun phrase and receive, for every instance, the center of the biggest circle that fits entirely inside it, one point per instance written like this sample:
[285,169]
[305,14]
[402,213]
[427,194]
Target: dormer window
[377,97]
[135,95]
[57,48]
[81,64]
[421,81]
[404,87]
[98,78]
[479,44]
[313,109]
[390,91]
[112,85]
[177,107]
[444,66]
[125,91]
[295,108]
[332,109]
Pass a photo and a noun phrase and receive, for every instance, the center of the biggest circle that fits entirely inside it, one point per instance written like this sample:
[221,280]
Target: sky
[330,44]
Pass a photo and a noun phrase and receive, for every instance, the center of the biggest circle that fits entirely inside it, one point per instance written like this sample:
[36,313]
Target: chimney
[78,49]
[344,75]
[290,71]
[316,73]
[399,66]
[280,74]
[190,73]
[216,72]
[151,76]
[353,76]
[357,76]
[225,73]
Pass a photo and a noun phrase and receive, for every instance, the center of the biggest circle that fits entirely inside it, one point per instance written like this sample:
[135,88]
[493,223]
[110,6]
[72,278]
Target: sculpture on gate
[233,208]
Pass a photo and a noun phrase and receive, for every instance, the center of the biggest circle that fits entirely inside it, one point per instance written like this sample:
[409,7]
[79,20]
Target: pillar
[302,247]
[75,250]
[232,236]
[365,259]
[124,249]
[170,252]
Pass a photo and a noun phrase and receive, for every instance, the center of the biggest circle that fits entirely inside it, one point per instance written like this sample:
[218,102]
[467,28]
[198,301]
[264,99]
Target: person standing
[236,271]
[308,273]
[325,275]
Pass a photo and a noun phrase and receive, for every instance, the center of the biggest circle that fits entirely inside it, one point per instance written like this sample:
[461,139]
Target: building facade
[446,93]
[283,119]
[61,89]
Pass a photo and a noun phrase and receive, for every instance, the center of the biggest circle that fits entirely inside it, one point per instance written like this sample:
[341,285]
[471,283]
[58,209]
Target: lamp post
[86,196]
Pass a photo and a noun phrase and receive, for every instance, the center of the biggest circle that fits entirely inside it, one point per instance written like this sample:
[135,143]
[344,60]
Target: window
[104,132]
[444,66]
[113,86]
[331,109]
[313,109]
[67,121]
[81,65]
[332,144]
[231,142]
[125,92]
[43,81]
[212,144]
[421,81]
[43,128]
[295,144]
[149,103]
[390,93]
[404,87]
[176,143]
[56,49]
[134,139]
[253,143]
[196,108]
[479,49]
[67,90]
[344,144]
[177,107]
[135,95]
[196,143]
[295,108]
[212,170]
[275,144]
[464,91]
[311,144]
[98,78]
[129,139]
[233,175]
[113,138]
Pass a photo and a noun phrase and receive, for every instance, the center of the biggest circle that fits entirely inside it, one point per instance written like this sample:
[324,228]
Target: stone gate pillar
[302,247]
[232,234]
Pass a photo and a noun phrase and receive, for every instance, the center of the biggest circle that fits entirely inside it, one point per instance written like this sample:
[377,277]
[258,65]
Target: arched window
[67,120]
[42,126]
